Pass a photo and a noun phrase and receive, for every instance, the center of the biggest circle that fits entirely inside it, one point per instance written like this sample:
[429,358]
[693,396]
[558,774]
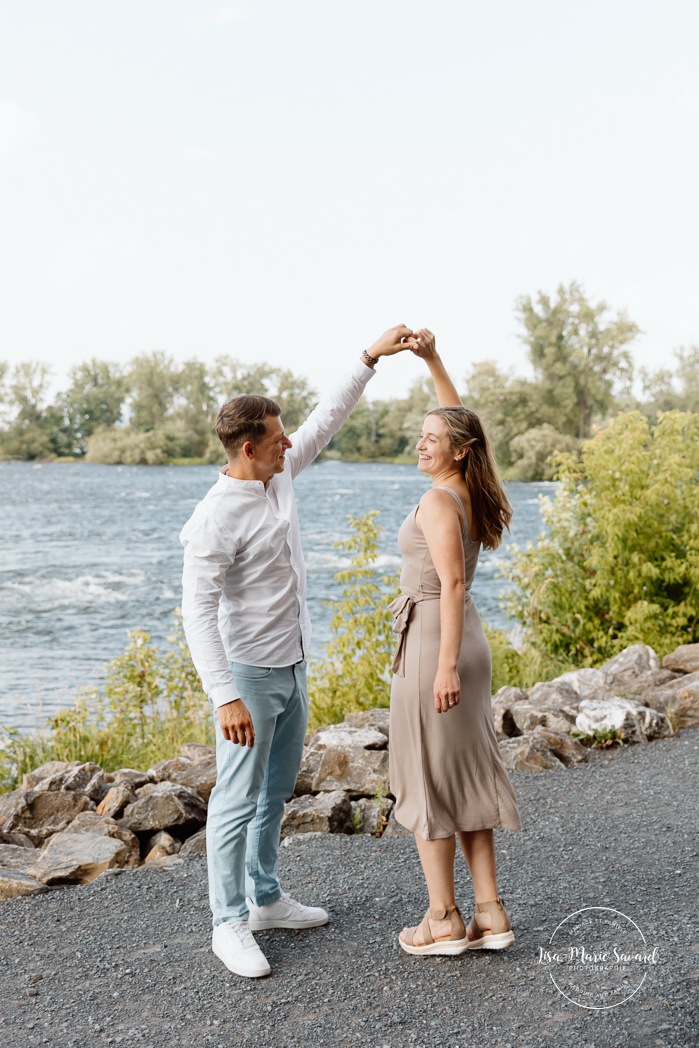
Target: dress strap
[459,502]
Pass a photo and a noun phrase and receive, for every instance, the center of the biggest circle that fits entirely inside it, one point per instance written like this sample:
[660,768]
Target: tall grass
[150,703]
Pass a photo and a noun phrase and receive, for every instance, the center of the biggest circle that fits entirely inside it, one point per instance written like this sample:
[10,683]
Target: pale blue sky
[282,179]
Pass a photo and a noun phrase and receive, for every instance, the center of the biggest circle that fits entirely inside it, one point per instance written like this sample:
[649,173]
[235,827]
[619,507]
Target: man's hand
[395,340]
[236,723]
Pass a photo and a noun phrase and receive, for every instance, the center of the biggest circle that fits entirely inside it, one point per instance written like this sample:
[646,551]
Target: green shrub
[355,671]
[620,562]
[150,703]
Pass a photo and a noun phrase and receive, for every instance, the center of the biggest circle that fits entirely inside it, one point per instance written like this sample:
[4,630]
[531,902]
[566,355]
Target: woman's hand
[395,340]
[424,345]
[446,690]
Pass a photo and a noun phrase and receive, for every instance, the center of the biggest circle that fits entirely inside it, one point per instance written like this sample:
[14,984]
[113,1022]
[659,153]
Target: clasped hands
[401,337]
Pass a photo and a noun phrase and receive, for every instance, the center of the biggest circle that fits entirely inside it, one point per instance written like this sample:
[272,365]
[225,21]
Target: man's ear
[248,450]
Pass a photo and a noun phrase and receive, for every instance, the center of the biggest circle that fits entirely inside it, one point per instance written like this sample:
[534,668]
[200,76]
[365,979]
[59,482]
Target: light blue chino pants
[247,803]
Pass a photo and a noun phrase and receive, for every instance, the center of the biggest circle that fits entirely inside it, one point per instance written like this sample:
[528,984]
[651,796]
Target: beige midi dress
[446,770]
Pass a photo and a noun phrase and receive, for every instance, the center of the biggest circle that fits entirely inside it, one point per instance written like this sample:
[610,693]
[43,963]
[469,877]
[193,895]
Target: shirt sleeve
[208,553]
[333,410]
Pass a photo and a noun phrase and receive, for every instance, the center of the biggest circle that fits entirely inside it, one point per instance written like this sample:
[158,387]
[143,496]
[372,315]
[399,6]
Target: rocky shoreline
[70,823]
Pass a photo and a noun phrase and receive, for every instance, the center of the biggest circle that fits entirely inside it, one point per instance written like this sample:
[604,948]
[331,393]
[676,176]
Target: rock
[378,719]
[14,883]
[553,693]
[343,758]
[91,822]
[115,800]
[163,839]
[199,775]
[528,753]
[31,779]
[509,694]
[166,771]
[634,722]
[78,778]
[39,813]
[78,858]
[630,663]
[680,704]
[502,706]
[14,857]
[196,750]
[527,717]
[130,777]
[586,683]
[684,659]
[644,689]
[161,844]
[20,839]
[326,813]
[195,845]
[569,751]
[156,853]
[370,815]
[164,804]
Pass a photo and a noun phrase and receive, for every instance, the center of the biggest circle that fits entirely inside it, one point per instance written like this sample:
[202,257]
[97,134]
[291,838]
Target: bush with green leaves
[620,562]
[150,703]
[355,671]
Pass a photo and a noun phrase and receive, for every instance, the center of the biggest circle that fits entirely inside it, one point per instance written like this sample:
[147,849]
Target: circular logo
[598,958]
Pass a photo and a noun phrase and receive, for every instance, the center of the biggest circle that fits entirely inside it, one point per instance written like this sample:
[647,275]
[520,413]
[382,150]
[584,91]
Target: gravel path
[127,960]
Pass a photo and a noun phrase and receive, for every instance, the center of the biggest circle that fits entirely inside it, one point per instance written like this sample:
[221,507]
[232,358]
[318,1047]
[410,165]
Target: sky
[282,180]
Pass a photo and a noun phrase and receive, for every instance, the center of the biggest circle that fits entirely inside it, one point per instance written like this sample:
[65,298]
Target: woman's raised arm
[447,396]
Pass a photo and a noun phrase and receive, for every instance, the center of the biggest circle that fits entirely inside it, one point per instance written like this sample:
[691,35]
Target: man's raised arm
[336,406]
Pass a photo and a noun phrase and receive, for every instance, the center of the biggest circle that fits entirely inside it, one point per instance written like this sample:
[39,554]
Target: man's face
[270,451]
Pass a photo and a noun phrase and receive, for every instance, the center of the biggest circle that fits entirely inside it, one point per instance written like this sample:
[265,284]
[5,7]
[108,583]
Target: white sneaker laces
[242,932]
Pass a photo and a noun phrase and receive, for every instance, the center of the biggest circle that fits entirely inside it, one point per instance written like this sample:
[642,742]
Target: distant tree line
[154,410]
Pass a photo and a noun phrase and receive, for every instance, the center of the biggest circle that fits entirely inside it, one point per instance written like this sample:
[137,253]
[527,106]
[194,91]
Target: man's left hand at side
[236,723]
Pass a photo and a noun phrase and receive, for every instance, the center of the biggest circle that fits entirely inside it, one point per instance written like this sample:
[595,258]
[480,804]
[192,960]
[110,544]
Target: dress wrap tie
[401,609]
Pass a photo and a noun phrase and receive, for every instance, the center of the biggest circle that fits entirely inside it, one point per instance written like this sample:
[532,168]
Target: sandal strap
[458,930]
[425,926]
[499,918]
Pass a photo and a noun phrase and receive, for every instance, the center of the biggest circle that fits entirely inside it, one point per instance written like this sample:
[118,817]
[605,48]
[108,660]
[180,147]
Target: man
[247,626]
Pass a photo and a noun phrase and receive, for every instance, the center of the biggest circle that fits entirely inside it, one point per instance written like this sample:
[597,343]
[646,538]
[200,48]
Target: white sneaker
[285,913]
[232,942]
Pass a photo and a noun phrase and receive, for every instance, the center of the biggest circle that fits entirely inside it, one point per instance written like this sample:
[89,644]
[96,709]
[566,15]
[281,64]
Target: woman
[446,771]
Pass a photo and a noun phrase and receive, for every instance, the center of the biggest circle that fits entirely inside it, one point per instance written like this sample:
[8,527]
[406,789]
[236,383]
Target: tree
[34,429]
[669,389]
[154,381]
[292,392]
[534,452]
[94,400]
[620,562]
[190,425]
[578,355]
[508,405]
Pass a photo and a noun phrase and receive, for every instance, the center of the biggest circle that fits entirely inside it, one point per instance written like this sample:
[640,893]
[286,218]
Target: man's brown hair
[243,418]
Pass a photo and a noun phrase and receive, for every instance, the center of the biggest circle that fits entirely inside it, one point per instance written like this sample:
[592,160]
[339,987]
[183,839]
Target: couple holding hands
[247,626]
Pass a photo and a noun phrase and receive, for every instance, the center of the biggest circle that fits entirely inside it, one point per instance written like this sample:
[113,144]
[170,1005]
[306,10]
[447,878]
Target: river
[89,552]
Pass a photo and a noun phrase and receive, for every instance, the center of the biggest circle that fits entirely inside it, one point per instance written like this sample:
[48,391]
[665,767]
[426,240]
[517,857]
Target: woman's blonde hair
[491,511]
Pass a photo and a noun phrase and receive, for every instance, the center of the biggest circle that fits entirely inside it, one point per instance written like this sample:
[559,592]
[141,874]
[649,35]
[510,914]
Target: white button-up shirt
[244,578]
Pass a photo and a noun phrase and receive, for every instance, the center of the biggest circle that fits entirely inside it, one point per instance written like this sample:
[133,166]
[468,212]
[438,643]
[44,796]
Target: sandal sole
[439,949]
[493,942]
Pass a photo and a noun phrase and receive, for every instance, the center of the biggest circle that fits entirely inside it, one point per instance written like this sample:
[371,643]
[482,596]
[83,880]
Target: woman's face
[435,454]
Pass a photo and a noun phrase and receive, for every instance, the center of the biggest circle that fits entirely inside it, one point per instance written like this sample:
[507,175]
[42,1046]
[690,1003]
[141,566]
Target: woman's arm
[447,396]
[441,524]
